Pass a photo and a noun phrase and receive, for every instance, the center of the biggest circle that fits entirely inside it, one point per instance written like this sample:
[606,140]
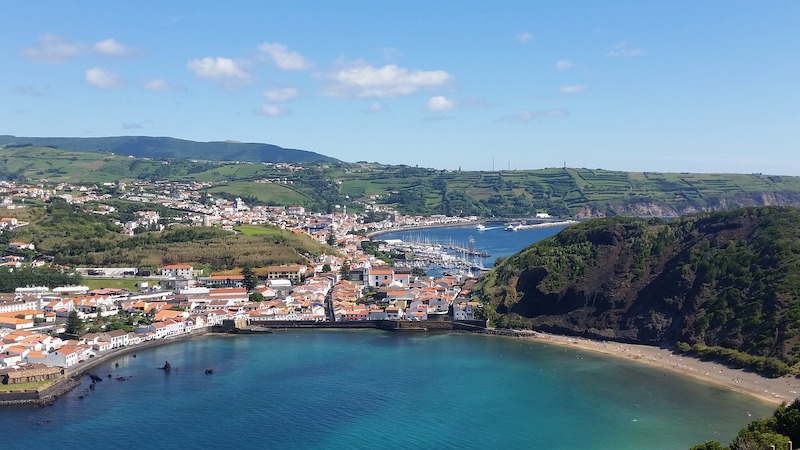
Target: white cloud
[376,107]
[576,89]
[283,58]
[273,111]
[226,70]
[281,95]
[103,79]
[564,64]
[624,50]
[54,49]
[440,103]
[365,81]
[524,37]
[111,47]
[161,85]
[529,115]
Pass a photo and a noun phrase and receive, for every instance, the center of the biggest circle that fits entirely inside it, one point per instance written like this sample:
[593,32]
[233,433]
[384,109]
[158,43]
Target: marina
[468,249]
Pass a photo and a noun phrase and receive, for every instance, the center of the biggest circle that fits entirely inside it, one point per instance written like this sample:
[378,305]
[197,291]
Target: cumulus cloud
[111,47]
[365,81]
[283,57]
[161,85]
[440,103]
[576,89]
[281,95]
[564,64]
[103,79]
[54,49]
[530,116]
[229,72]
[273,111]
[524,37]
[624,50]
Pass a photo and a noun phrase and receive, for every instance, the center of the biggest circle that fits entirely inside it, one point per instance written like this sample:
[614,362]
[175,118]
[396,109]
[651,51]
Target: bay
[368,389]
[493,240]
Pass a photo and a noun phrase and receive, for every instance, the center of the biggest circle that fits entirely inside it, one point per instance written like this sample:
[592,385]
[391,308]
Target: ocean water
[369,389]
[493,240]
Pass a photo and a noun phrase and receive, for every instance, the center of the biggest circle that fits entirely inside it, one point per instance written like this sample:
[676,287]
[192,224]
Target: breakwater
[386,325]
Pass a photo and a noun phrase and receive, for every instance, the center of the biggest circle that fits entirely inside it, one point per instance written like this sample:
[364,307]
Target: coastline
[72,375]
[773,391]
[465,223]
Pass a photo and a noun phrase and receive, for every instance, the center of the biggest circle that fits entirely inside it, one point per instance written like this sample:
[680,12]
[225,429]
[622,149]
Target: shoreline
[72,375]
[773,391]
[463,224]
[469,223]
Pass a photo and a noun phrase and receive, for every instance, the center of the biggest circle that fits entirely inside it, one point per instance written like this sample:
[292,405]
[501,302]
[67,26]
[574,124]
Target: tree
[256,297]
[326,267]
[74,324]
[708,445]
[345,271]
[250,281]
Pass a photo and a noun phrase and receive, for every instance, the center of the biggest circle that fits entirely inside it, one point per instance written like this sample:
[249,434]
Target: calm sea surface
[493,240]
[369,389]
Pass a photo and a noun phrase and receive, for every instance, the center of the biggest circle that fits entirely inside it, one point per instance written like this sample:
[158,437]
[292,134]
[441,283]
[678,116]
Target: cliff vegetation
[723,285]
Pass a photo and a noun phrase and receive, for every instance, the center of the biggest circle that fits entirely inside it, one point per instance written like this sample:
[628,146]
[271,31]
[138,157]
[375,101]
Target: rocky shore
[72,375]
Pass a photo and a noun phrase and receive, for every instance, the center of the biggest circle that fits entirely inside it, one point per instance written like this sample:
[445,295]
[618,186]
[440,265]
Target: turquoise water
[367,389]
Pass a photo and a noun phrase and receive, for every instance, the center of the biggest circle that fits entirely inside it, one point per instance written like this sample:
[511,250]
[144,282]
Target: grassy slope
[728,279]
[564,190]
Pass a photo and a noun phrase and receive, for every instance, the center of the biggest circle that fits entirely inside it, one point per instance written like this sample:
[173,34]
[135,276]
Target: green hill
[171,148]
[319,186]
[727,280]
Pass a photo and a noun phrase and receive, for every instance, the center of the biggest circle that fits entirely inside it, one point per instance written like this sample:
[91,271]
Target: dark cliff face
[730,279]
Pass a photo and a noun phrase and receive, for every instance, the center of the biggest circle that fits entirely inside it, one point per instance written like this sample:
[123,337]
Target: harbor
[464,249]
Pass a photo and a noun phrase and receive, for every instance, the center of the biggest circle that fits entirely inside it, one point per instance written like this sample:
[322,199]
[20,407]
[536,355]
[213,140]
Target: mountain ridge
[173,148]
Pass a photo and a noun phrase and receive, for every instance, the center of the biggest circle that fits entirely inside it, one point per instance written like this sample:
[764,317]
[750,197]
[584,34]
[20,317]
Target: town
[50,332]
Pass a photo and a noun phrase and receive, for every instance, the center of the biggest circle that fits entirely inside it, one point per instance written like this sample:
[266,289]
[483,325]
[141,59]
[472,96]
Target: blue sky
[687,86]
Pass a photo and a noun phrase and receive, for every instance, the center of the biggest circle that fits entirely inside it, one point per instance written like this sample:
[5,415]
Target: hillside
[77,238]
[729,279]
[319,186]
[171,148]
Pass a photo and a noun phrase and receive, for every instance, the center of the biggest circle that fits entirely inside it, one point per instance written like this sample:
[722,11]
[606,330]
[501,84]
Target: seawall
[71,379]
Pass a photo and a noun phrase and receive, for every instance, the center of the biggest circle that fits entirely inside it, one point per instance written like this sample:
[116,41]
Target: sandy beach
[768,390]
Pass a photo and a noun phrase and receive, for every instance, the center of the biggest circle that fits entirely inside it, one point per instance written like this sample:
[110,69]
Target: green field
[266,193]
[414,190]
[129,284]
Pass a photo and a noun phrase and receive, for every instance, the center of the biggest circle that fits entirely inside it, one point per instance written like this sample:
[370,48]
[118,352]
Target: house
[177,270]
[117,338]
[294,273]
[30,373]
[66,356]
[380,276]
[464,310]
[15,324]
[21,246]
